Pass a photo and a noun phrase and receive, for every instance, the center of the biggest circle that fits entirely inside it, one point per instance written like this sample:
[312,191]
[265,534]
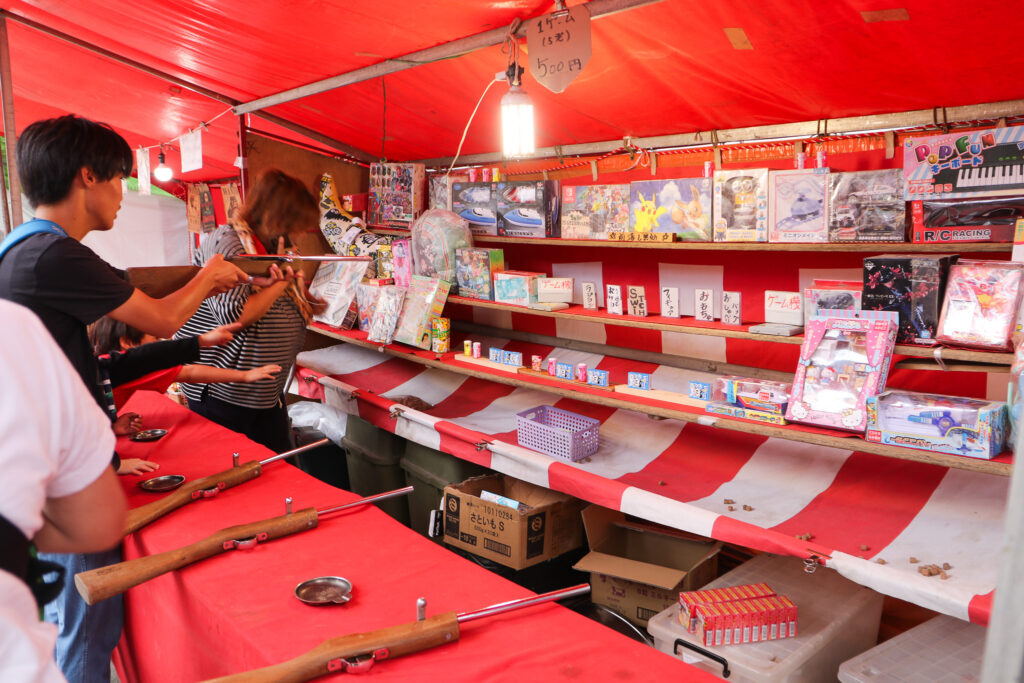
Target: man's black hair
[51,152]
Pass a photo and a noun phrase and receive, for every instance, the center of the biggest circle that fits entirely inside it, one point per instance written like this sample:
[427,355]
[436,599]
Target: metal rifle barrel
[295,451]
[285,258]
[369,499]
[511,605]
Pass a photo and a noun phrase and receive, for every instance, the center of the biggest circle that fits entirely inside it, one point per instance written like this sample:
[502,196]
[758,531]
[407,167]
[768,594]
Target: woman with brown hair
[273,318]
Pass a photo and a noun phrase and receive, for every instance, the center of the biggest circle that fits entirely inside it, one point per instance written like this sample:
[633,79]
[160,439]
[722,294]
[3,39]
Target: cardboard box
[976,220]
[478,204]
[397,194]
[638,569]
[518,287]
[590,212]
[475,269]
[549,527]
[529,208]
[911,285]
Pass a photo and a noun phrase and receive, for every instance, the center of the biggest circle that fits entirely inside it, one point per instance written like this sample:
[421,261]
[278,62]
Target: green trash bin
[429,470]
[373,464]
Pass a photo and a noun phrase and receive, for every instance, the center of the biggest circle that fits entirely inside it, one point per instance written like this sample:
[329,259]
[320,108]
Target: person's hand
[225,275]
[137,466]
[128,423]
[275,275]
[262,372]
[219,335]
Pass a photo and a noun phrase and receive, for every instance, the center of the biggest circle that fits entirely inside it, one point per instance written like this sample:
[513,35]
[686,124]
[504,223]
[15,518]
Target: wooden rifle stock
[159,281]
[100,584]
[336,655]
[144,514]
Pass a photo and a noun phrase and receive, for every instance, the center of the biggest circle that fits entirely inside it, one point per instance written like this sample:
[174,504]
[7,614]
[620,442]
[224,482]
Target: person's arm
[88,521]
[258,303]
[138,361]
[207,374]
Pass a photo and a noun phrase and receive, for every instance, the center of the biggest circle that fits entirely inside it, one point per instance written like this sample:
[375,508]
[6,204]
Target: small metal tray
[166,482]
[148,435]
[324,590]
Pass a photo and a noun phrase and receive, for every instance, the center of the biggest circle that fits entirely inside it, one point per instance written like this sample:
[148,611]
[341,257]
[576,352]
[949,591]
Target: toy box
[741,205]
[866,206]
[517,287]
[590,212]
[910,285]
[945,424]
[964,164]
[754,394]
[836,295]
[529,208]
[397,194]
[681,206]
[385,314]
[744,413]
[478,204]
[438,189]
[797,205]
[965,220]
[335,282]
[366,300]
[424,300]
[843,360]
[475,269]
[980,309]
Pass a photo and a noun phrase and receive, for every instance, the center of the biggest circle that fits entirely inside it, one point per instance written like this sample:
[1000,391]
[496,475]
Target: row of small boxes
[738,614]
[513,358]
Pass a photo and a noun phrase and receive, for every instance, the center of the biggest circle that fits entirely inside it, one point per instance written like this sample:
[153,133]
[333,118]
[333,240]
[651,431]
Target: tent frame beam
[12,211]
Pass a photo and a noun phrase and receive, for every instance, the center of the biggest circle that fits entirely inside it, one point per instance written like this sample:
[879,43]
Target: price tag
[670,302]
[589,296]
[637,302]
[703,305]
[731,308]
[613,299]
[559,47]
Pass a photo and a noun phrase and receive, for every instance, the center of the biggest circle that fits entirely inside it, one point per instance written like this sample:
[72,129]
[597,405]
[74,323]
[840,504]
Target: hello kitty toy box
[844,359]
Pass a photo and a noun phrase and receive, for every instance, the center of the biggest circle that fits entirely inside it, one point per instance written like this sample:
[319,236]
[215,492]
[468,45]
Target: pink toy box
[981,304]
[844,359]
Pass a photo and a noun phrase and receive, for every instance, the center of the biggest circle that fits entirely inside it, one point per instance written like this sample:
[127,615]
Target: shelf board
[689,325]
[1000,468]
[874,247]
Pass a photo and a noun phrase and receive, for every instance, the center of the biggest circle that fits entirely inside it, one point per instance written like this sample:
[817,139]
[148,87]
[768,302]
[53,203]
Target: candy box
[837,295]
[478,204]
[866,206]
[475,269]
[529,208]
[844,359]
[912,286]
[945,424]
[681,206]
[797,205]
[980,308]
[590,212]
[517,287]
[741,205]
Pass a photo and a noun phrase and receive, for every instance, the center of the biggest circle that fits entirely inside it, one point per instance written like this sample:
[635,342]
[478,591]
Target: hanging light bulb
[516,111]
[162,172]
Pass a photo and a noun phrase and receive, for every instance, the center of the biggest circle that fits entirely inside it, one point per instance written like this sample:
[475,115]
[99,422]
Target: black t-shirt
[68,286]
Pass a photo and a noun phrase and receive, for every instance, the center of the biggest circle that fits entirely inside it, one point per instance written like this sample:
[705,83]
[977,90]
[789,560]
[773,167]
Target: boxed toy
[836,295]
[982,300]
[866,206]
[366,300]
[397,194]
[385,314]
[797,206]
[945,424]
[843,360]
[335,282]
[517,287]
[741,205]
[744,413]
[401,262]
[439,195]
[475,269]
[478,204]
[590,212]
[910,285]
[965,220]
[754,394]
[529,208]
[423,301]
[681,206]
[964,164]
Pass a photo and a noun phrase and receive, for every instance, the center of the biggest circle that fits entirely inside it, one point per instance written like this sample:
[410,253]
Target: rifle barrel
[295,451]
[369,499]
[511,605]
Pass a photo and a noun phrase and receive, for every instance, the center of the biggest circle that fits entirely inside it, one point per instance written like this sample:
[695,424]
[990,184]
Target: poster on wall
[193,213]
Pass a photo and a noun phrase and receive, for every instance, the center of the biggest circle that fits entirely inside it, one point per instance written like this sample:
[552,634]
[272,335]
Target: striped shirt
[275,338]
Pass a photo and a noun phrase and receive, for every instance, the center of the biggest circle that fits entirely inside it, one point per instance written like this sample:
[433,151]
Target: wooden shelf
[689,325]
[1000,468]
[873,247]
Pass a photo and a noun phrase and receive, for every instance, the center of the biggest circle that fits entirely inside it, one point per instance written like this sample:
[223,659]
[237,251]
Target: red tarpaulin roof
[669,67]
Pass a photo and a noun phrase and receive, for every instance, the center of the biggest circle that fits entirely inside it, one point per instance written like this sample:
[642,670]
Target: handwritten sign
[670,302]
[638,380]
[731,308]
[589,296]
[642,236]
[637,302]
[613,299]
[554,289]
[704,304]
[783,307]
[559,46]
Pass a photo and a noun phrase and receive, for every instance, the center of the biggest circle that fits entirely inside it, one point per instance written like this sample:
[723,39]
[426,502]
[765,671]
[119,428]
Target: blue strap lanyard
[25,230]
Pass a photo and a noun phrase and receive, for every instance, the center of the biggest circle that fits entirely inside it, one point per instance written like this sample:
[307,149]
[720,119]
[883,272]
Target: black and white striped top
[275,338]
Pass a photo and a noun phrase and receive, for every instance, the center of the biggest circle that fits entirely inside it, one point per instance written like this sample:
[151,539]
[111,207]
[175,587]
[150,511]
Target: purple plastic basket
[557,432]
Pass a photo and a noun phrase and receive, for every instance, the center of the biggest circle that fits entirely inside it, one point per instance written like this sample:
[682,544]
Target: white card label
[589,296]
[670,302]
[783,307]
[637,302]
[613,299]
[704,304]
[732,308]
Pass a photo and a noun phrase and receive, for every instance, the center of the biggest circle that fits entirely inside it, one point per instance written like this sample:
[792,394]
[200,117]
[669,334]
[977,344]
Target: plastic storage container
[837,620]
[941,650]
[429,471]
[558,433]
[328,463]
[373,464]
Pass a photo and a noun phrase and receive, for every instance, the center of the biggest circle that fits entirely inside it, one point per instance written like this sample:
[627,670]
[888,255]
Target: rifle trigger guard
[210,492]
[245,543]
[357,666]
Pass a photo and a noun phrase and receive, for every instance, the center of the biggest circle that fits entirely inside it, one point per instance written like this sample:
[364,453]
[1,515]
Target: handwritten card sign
[731,308]
[554,290]
[783,307]
[638,380]
[563,370]
[598,378]
[670,302]
[637,302]
[589,296]
[559,46]
[704,304]
[613,299]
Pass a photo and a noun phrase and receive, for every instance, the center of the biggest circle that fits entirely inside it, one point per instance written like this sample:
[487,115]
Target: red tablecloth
[237,611]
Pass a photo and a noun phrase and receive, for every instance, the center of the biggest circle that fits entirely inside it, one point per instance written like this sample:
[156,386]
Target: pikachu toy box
[741,205]
[681,206]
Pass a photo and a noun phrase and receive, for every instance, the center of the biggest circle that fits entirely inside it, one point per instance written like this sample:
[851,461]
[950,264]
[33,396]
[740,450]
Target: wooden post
[11,213]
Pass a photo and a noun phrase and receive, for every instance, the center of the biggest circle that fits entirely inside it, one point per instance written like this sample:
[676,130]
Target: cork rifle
[105,582]
[359,652]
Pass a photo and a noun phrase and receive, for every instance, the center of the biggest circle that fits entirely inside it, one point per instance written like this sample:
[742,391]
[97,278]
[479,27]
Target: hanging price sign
[559,47]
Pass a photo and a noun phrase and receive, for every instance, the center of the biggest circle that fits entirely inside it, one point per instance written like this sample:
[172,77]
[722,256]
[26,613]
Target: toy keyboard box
[797,205]
[681,206]
[944,424]
[844,359]
[910,285]
[965,164]
[590,212]
[529,208]
[478,204]
[397,194]
[866,206]
[475,269]
[970,220]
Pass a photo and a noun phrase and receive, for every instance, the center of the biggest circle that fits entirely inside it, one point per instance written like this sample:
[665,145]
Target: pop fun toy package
[844,359]
[945,424]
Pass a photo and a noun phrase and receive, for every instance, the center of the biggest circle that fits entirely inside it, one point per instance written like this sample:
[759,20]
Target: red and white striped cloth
[679,474]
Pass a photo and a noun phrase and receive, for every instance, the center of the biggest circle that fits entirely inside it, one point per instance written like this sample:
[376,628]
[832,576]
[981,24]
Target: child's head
[107,335]
[53,151]
[279,205]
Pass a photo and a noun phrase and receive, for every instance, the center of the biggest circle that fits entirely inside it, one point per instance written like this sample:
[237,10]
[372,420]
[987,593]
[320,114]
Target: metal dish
[148,435]
[166,482]
[324,590]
